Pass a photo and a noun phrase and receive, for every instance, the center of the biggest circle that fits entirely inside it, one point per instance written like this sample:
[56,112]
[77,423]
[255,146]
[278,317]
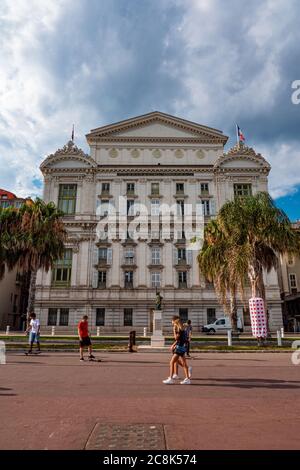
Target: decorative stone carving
[156,153]
[179,153]
[135,153]
[113,153]
[200,154]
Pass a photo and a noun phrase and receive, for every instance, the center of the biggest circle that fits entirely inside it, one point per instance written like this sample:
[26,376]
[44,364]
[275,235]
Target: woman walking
[179,350]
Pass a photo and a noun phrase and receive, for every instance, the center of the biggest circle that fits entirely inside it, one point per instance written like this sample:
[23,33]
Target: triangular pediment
[157,125]
[69,157]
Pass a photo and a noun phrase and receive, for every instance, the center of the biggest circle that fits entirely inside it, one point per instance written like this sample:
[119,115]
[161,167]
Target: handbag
[180,349]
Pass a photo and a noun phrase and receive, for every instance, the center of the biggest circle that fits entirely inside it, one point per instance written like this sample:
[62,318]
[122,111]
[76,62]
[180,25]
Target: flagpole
[72,136]
[237,134]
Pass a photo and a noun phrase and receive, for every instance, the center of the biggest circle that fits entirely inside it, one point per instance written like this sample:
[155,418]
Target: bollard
[145,332]
[282,332]
[98,330]
[229,337]
[53,331]
[279,342]
[131,345]
[7,330]
[2,353]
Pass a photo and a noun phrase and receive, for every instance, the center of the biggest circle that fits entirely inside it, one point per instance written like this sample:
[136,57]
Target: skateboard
[33,353]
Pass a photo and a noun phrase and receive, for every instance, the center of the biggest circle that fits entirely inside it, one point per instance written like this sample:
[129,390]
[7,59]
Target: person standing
[84,338]
[179,349]
[34,333]
[188,331]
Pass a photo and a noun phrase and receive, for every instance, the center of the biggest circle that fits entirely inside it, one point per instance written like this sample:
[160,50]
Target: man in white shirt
[34,333]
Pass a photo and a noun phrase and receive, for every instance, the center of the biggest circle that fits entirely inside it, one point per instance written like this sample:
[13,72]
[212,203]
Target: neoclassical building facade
[137,166]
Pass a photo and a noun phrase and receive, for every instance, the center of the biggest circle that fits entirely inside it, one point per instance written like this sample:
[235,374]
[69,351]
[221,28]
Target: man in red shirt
[84,338]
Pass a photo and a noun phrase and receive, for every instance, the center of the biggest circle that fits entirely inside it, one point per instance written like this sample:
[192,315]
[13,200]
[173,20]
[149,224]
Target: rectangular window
[155,280]
[128,279]
[211,315]
[104,205]
[52,317]
[105,188]
[154,189]
[179,188]
[130,209]
[155,206]
[242,189]
[293,283]
[180,207]
[204,188]
[102,255]
[183,314]
[67,198]
[129,256]
[100,317]
[102,279]
[62,270]
[182,280]
[181,253]
[205,206]
[155,255]
[127,316]
[130,188]
[64,317]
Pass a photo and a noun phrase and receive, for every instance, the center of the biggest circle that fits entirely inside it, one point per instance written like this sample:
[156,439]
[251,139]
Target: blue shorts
[34,337]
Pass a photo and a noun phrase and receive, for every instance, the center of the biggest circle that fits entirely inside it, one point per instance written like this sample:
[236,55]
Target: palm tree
[219,262]
[257,232]
[32,237]
[44,241]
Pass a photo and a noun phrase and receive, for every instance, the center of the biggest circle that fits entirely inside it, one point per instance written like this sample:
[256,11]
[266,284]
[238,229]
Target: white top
[35,324]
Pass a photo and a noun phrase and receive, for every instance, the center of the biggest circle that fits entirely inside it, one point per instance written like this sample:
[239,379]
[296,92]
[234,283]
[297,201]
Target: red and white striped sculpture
[258,317]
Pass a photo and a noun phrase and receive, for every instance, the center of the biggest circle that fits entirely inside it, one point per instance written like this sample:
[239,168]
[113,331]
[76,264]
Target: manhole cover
[127,437]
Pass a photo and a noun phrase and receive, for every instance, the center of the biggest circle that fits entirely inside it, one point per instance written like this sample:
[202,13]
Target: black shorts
[85,341]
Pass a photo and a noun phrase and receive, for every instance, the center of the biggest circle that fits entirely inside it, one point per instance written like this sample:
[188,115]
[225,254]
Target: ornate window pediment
[70,156]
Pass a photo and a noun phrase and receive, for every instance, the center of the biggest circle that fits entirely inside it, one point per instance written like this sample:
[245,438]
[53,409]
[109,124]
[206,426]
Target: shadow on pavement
[250,383]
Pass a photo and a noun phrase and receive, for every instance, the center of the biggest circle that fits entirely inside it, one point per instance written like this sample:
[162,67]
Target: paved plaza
[236,401]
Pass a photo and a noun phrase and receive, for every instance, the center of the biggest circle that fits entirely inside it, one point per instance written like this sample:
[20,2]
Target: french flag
[240,135]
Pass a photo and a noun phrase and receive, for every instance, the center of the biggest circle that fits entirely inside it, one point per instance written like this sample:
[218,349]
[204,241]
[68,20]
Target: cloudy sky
[93,62]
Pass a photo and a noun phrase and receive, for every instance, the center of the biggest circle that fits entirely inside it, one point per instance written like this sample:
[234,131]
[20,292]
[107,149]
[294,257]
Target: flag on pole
[240,135]
[72,137]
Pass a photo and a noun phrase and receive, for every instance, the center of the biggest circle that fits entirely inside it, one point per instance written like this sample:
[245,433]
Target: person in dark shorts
[84,338]
[179,349]
[188,330]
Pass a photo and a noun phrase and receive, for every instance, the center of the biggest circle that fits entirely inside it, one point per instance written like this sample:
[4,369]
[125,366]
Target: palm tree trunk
[31,294]
[263,296]
[233,312]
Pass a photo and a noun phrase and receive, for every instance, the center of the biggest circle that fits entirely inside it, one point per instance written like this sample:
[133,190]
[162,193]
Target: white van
[221,325]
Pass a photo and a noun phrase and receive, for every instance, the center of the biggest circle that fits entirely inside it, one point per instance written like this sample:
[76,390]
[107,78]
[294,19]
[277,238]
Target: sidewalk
[53,401]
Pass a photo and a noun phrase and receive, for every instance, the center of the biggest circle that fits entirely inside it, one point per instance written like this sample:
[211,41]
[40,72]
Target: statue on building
[158,301]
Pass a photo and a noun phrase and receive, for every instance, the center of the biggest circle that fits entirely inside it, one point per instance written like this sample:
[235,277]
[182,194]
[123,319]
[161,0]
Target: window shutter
[95,255]
[109,255]
[175,255]
[189,256]
[95,279]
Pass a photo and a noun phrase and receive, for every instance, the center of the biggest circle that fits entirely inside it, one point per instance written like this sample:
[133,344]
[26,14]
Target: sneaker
[168,381]
[186,382]
[175,377]
[91,356]
[190,372]
[82,359]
